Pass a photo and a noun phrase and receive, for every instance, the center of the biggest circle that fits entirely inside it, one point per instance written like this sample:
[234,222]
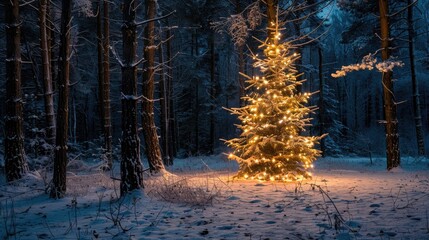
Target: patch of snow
[348,198]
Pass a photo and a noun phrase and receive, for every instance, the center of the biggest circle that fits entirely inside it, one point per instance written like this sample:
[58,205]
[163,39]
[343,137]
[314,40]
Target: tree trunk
[392,137]
[100,63]
[164,101]
[73,119]
[212,93]
[271,19]
[171,119]
[52,45]
[368,104]
[131,167]
[60,162]
[153,151]
[321,102]
[104,80]
[47,74]
[356,114]
[106,86]
[15,162]
[415,84]
[197,116]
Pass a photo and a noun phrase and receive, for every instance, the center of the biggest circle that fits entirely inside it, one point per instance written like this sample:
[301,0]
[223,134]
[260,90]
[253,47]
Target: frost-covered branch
[155,19]
[369,62]
[115,54]
[238,25]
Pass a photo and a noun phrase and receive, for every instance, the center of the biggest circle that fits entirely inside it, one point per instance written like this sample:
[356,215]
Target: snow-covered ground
[348,198]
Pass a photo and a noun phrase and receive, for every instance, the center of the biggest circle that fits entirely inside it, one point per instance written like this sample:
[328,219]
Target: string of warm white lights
[272,146]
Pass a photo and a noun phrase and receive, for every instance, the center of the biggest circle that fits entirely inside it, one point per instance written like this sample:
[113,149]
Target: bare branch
[403,9]
[155,19]
[115,54]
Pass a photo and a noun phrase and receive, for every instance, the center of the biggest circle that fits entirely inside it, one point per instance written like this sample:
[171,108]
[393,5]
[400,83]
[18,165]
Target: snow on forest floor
[348,198]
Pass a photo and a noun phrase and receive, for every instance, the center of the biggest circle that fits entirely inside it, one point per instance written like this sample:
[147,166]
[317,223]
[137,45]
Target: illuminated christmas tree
[272,144]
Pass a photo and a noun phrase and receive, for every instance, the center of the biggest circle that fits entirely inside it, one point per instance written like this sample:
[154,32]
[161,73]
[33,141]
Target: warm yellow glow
[271,147]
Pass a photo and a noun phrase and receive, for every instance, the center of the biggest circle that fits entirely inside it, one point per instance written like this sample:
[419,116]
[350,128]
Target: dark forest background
[202,61]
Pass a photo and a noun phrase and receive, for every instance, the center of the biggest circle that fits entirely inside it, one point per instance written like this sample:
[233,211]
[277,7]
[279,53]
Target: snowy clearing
[348,198]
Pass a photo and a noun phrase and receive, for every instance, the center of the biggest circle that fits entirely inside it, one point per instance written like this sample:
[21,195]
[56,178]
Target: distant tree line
[80,76]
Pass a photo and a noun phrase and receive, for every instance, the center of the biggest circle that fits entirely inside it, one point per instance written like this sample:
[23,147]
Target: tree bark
[131,167]
[106,86]
[212,93]
[197,115]
[164,108]
[368,104]
[47,74]
[321,102]
[171,119]
[104,80]
[100,63]
[415,83]
[15,162]
[391,128]
[153,151]
[60,162]
[271,20]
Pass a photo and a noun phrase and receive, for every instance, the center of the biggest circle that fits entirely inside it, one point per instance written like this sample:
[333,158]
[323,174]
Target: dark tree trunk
[171,119]
[322,113]
[197,101]
[52,47]
[106,86]
[212,93]
[100,62]
[368,107]
[131,167]
[197,116]
[153,151]
[46,71]
[414,82]
[392,137]
[60,162]
[355,106]
[15,162]
[104,80]
[164,109]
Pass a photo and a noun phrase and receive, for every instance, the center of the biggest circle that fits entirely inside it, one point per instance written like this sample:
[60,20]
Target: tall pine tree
[272,144]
